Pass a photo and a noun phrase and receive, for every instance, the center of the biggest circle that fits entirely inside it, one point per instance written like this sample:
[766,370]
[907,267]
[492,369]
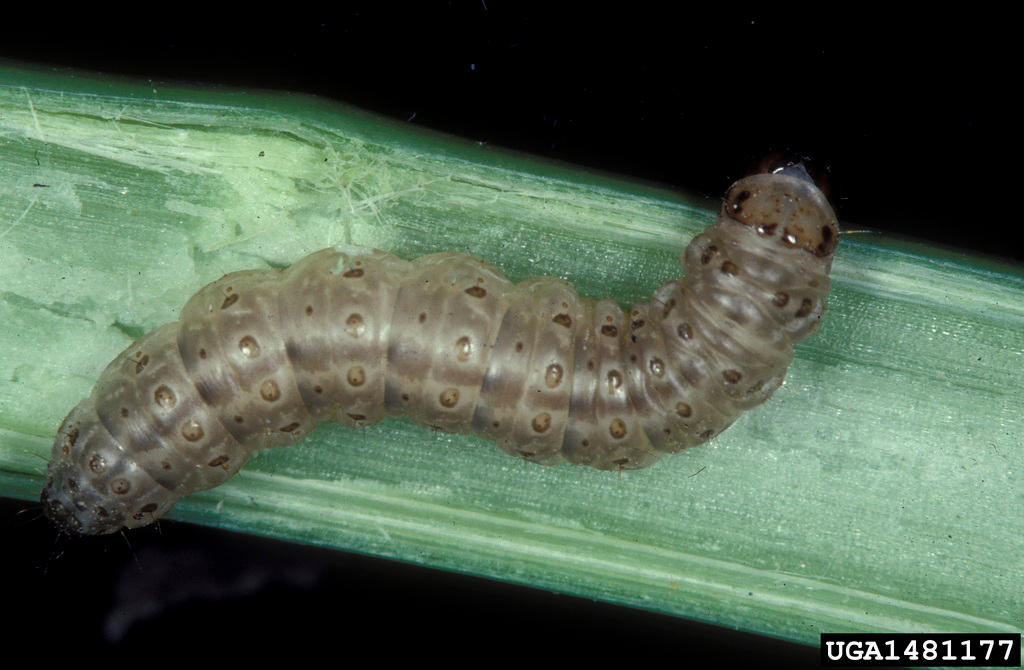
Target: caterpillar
[259,357]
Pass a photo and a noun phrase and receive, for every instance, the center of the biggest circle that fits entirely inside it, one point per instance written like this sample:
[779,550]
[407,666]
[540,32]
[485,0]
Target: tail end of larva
[92,487]
[57,508]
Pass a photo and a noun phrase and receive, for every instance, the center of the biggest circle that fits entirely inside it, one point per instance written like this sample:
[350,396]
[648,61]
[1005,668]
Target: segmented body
[259,357]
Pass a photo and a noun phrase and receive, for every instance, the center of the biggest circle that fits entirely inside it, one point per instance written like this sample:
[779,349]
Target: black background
[911,114]
[914,113]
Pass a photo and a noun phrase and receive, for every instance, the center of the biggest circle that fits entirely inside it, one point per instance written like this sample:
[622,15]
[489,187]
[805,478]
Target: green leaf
[879,490]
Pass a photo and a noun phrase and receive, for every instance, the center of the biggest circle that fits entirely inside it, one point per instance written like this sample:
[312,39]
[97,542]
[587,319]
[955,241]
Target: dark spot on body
[269,390]
[356,376]
[97,464]
[192,431]
[249,347]
[828,241]
[553,375]
[463,349]
[449,397]
[164,397]
[738,200]
[70,439]
[355,325]
[541,422]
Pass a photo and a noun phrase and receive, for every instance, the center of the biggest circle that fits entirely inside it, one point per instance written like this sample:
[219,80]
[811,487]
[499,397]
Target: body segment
[259,357]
